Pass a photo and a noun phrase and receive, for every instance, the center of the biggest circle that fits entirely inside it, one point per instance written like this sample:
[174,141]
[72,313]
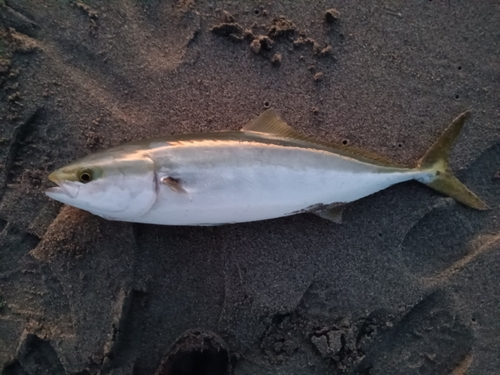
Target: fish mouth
[62,189]
[56,190]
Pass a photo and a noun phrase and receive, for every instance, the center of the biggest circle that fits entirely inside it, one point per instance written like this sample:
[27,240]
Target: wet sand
[408,284]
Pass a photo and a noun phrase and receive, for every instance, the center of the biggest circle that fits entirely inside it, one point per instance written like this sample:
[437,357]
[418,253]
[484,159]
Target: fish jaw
[67,192]
[64,191]
[112,201]
[67,189]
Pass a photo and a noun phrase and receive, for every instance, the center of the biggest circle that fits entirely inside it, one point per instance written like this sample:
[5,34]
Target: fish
[264,171]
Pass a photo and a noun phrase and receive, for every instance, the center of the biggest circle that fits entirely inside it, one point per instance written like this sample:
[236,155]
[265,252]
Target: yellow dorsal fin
[269,122]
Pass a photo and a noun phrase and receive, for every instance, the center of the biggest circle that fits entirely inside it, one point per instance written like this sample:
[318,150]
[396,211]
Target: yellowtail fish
[266,170]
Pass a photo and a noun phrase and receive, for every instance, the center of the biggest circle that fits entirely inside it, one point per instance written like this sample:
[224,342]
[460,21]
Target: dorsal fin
[269,122]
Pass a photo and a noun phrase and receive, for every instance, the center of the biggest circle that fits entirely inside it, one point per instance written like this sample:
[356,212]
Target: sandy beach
[407,284]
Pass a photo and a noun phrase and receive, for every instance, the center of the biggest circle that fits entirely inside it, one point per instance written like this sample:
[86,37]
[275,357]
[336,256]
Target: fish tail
[442,179]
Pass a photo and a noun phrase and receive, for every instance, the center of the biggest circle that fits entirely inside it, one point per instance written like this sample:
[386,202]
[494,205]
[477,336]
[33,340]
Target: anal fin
[333,214]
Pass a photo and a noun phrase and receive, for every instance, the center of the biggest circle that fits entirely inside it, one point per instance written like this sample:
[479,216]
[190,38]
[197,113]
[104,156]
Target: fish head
[115,186]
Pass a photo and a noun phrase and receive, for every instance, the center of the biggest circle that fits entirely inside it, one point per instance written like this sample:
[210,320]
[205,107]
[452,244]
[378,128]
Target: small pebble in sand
[260,42]
[316,48]
[228,17]
[327,51]
[265,42]
[299,42]
[281,27]
[276,59]
[4,66]
[236,37]
[255,46]
[14,97]
[318,76]
[226,29]
[248,34]
[86,9]
[332,15]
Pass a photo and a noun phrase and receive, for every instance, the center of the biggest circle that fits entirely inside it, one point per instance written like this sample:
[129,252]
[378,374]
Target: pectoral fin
[174,184]
[333,214]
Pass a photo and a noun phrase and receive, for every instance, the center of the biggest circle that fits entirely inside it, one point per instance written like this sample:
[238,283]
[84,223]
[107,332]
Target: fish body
[266,170]
[233,178]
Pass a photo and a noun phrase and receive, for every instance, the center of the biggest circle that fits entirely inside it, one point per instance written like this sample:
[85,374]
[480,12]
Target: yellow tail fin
[436,160]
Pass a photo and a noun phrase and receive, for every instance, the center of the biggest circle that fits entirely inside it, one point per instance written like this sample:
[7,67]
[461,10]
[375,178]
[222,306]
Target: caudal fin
[436,160]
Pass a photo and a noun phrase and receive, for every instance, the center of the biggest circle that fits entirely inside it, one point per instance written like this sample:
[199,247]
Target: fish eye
[85,176]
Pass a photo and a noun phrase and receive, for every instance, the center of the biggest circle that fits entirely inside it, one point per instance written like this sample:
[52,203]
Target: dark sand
[409,284]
